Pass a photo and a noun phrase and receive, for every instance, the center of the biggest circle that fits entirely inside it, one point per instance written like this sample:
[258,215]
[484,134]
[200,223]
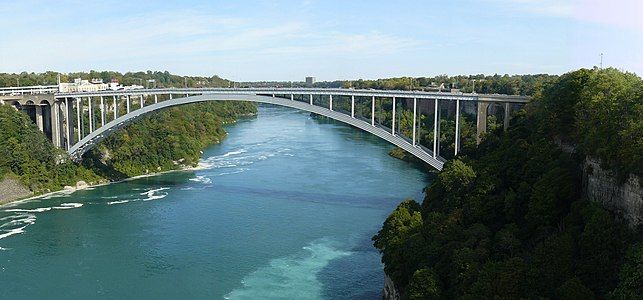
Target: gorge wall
[625,199]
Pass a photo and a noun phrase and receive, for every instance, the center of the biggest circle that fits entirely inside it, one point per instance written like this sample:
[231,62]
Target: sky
[331,40]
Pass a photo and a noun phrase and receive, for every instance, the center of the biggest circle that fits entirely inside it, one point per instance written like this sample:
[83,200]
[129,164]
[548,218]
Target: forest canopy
[508,220]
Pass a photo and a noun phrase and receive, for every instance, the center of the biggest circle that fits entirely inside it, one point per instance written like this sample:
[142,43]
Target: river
[283,208]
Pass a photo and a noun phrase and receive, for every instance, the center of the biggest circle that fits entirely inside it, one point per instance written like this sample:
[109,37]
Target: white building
[95,85]
[80,85]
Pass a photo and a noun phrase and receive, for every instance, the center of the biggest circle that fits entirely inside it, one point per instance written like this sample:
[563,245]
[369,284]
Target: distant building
[95,85]
[80,85]
[310,80]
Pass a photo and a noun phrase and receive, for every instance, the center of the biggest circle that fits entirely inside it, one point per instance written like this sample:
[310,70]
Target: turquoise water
[283,208]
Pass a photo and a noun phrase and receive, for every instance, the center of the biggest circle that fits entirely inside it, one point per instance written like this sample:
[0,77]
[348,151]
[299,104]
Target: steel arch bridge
[69,108]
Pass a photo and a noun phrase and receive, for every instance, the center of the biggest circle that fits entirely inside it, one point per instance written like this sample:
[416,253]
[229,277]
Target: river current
[283,208]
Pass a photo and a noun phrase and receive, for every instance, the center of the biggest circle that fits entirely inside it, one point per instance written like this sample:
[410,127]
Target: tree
[424,285]
[574,289]
[630,284]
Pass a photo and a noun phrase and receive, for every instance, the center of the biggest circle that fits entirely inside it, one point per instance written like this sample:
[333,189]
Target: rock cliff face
[624,199]
[11,189]
[389,292]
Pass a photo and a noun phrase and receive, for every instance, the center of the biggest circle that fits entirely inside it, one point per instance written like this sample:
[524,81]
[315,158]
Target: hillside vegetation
[25,153]
[508,221]
[166,140]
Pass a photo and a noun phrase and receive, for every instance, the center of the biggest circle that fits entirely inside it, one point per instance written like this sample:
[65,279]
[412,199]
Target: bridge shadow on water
[311,197]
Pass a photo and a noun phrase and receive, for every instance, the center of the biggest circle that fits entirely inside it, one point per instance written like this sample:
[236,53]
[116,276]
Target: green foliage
[424,285]
[501,84]
[631,274]
[506,220]
[163,79]
[26,153]
[501,280]
[456,175]
[403,222]
[600,112]
[574,289]
[165,140]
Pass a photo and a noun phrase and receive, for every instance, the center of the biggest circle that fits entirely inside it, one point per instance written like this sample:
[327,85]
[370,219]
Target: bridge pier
[55,124]
[128,103]
[69,111]
[481,120]
[331,102]
[373,111]
[91,115]
[507,116]
[39,118]
[436,129]
[393,118]
[457,127]
[352,106]
[102,111]
[115,108]
[79,120]
[415,104]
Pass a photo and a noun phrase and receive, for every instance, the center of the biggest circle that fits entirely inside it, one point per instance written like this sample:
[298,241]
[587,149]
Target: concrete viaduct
[76,122]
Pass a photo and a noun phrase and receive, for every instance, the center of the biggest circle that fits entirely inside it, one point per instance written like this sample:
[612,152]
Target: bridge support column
[128,103]
[393,119]
[115,108]
[436,128]
[415,104]
[156,98]
[457,126]
[292,97]
[507,115]
[373,111]
[39,118]
[69,123]
[61,125]
[170,96]
[78,118]
[142,101]
[91,115]
[481,124]
[311,99]
[102,111]
[352,106]
[54,124]
[331,102]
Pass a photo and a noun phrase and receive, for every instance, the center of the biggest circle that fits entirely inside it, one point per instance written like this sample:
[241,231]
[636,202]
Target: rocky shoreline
[12,192]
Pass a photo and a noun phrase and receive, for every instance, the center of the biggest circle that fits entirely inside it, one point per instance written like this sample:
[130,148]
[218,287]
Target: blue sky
[287,40]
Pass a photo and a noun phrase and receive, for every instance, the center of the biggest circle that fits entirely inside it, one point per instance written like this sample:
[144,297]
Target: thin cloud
[623,14]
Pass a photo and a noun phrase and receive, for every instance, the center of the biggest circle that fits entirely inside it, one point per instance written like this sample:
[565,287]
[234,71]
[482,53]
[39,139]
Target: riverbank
[68,190]
[163,141]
